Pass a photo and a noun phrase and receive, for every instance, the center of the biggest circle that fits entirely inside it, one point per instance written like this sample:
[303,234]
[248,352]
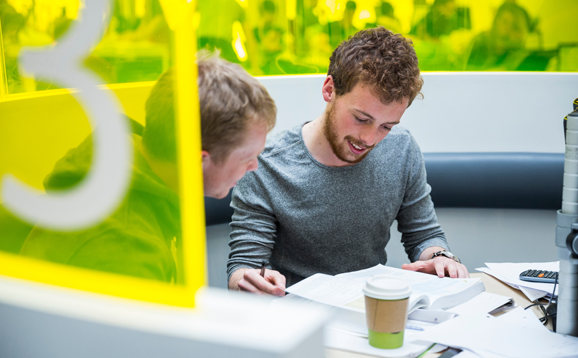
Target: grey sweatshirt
[305,217]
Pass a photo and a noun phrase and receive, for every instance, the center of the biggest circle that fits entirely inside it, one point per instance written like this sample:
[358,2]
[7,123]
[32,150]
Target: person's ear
[328,89]
[206,157]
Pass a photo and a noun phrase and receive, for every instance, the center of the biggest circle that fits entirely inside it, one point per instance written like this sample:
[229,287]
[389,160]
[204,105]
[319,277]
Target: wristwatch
[447,254]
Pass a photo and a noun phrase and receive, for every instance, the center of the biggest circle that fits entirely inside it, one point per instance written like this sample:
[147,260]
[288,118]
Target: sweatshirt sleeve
[254,225]
[416,218]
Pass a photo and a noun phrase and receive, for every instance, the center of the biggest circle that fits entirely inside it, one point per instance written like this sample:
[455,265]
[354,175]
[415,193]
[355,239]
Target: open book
[344,292]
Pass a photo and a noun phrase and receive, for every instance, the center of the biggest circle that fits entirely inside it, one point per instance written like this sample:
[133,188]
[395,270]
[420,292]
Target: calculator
[539,276]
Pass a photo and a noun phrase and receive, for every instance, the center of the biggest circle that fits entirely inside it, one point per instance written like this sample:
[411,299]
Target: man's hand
[441,266]
[250,280]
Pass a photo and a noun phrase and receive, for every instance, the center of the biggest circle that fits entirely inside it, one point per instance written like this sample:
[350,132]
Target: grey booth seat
[496,180]
[473,180]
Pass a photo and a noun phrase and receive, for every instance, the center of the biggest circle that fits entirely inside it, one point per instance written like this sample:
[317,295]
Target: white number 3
[107,181]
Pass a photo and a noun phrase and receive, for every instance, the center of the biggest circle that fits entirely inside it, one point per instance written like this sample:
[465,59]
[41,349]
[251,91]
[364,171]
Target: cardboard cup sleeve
[386,316]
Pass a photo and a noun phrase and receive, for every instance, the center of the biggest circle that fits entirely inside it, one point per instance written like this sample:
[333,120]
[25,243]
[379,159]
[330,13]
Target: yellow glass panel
[273,37]
[298,36]
[111,161]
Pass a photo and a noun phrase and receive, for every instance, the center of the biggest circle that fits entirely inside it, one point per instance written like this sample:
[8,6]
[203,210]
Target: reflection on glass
[135,48]
[46,141]
[273,37]
[142,237]
[136,45]
[294,37]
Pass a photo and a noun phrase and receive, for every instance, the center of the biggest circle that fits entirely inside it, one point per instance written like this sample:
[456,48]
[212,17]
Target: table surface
[492,285]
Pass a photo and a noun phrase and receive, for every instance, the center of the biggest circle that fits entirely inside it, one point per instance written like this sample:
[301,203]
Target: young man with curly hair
[327,192]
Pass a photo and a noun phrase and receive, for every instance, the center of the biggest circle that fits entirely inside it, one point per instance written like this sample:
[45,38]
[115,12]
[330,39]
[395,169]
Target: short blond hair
[231,101]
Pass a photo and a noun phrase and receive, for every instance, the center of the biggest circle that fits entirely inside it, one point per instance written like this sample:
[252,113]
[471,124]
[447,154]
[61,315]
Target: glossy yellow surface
[45,141]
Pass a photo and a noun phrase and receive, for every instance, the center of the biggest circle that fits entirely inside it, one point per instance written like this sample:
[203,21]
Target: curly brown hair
[381,59]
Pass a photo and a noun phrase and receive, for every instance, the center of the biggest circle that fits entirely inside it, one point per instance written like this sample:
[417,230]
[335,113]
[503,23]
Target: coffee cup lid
[384,287]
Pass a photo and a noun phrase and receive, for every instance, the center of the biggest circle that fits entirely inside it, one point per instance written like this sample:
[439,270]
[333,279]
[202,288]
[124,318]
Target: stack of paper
[516,334]
[456,315]
[342,295]
[509,273]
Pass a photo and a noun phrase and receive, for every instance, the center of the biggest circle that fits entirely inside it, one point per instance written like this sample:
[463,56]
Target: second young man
[328,191]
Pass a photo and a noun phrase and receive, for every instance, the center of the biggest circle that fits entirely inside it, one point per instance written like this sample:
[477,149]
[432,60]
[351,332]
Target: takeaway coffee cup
[386,301]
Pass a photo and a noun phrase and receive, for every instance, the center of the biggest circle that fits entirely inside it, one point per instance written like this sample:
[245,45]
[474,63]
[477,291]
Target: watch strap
[447,254]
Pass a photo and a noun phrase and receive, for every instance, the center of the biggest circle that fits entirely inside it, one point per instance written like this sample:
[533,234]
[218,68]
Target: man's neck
[318,145]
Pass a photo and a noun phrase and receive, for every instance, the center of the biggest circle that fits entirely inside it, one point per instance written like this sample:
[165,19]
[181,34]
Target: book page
[346,290]
[331,290]
[447,292]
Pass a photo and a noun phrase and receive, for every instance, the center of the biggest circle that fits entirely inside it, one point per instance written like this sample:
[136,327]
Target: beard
[340,147]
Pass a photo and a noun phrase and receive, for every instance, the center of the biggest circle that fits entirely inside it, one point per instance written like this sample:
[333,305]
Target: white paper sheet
[512,335]
[481,304]
[511,273]
[496,275]
[470,354]
[524,318]
[532,294]
[345,341]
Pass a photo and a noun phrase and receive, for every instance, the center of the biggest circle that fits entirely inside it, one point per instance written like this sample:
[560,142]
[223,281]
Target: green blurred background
[286,37]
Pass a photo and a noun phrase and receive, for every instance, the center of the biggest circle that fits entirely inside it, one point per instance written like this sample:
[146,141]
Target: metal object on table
[567,234]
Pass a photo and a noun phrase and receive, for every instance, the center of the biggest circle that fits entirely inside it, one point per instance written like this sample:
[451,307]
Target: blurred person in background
[310,10]
[216,26]
[385,17]
[12,23]
[269,36]
[441,20]
[316,48]
[341,30]
[150,27]
[502,48]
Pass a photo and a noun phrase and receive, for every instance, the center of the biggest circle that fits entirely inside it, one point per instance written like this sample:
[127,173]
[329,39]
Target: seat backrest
[496,180]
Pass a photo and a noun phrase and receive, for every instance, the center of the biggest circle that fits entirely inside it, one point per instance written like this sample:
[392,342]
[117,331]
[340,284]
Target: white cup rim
[385,287]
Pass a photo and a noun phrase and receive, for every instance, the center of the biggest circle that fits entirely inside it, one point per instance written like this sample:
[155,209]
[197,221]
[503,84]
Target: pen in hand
[262,273]
[263,264]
